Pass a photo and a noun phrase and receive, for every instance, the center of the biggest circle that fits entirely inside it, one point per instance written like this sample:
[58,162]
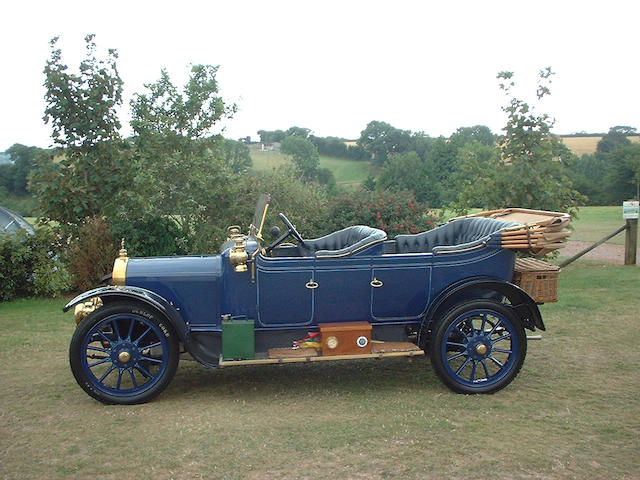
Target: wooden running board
[266,361]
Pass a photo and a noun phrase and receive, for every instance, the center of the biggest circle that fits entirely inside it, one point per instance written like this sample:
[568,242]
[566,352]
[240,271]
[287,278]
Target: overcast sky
[333,66]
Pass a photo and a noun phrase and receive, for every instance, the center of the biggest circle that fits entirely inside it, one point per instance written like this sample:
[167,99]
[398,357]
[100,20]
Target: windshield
[255,229]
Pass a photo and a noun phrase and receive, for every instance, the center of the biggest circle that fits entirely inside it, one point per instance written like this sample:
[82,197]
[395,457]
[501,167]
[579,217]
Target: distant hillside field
[582,145]
[346,172]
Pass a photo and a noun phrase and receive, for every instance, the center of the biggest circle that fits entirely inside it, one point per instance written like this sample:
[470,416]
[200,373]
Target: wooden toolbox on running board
[345,338]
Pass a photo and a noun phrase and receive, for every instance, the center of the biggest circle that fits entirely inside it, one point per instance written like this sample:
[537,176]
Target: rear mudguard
[482,288]
[112,294]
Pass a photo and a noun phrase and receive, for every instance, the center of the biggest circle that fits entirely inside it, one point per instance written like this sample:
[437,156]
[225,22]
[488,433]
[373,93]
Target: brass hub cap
[481,349]
[124,356]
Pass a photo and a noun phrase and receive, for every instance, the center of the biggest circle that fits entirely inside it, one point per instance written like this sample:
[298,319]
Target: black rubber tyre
[478,347]
[124,353]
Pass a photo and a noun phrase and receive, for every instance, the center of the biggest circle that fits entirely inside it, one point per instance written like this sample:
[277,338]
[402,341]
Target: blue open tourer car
[446,293]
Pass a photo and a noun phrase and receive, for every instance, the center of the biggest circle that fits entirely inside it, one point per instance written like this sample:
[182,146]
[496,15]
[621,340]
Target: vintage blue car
[352,294]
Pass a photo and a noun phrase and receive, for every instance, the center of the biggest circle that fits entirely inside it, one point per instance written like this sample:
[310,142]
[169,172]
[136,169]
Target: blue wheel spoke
[142,336]
[473,371]
[152,345]
[499,339]
[486,370]
[455,344]
[143,370]
[133,378]
[456,356]
[111,369]
[97,349]
[462,333]
[148,359]
[495,361]
[502,350]
[105,337]
[133,322]
[116,330]
[494,327]
[464,364]
[100,362]
[484,322]
[119,379]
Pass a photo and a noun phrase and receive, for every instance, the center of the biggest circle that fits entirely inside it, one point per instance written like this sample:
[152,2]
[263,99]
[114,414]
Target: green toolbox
[238,338]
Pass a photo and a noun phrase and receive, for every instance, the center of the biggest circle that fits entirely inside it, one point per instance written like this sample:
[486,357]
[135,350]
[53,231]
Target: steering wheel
[291,230]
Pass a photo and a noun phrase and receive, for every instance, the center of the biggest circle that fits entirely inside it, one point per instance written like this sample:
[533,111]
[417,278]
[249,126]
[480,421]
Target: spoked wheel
[124,353]
[478,347]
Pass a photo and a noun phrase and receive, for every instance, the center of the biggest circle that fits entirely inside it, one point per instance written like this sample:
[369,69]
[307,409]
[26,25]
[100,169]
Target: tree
[304,155]
[623,179]
[616,137]
[478,133]
[405,171]
[298,132]
[236,155]
[92,164]
[15,176]
[531,170]
[182,168]
[381,140]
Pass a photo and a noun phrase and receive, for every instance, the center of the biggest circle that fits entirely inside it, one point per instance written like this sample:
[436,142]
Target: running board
[327,358]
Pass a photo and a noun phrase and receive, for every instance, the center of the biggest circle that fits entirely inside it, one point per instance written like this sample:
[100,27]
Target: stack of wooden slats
[540,232]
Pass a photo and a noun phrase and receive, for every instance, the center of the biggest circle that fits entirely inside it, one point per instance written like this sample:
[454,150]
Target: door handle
[376,283]
[311,284]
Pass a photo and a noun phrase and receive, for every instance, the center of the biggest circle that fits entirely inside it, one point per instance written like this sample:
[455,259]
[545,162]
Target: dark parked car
[352,294]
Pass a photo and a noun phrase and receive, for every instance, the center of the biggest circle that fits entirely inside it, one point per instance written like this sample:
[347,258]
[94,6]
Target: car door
[343,289]
[284,291]
[400,286]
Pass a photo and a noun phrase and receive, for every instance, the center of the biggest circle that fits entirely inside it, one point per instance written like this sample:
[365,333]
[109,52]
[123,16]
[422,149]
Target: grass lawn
[573,412]
[346,172]
[594,223]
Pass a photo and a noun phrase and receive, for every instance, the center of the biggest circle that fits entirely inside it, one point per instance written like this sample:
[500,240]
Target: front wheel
[124,353]
[478,347]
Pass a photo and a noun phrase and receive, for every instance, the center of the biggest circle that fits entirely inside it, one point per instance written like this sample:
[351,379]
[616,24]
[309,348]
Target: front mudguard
[112,294]
[205,353]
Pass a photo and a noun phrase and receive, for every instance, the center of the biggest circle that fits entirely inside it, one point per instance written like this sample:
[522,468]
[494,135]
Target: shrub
[305,204]
[151,236]
[395,213]
[31,265]
[91,253]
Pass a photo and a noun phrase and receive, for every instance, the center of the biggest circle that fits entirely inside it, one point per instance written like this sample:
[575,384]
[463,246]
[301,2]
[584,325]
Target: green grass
[594,223]
[348,172]
[571,413]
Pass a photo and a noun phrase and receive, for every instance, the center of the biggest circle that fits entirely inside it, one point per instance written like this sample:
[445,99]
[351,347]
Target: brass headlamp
[238,255]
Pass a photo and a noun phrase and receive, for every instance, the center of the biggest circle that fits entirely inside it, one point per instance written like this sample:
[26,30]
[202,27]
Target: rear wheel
[478,347]
[124,353]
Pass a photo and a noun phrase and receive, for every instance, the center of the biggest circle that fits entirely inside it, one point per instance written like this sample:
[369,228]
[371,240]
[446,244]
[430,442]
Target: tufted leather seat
[343,242]
[457,232]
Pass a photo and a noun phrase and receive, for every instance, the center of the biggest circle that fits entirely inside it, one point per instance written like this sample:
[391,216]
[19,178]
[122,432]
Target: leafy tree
[182,168]
[623,179]
[298,132]
[477,133]
[588,174]
[380,140]
[236,155]
[531,170]
[616,137]
[15,176]
[304,155]
[267,136]
[92,164]
[405,171]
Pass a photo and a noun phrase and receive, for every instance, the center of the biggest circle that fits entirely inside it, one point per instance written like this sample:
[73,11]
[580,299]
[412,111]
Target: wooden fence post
[631,241]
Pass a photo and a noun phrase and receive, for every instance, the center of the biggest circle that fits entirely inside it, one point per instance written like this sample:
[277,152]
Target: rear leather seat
[462,232]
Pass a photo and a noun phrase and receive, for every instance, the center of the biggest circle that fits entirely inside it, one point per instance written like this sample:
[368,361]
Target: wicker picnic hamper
[539,279]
